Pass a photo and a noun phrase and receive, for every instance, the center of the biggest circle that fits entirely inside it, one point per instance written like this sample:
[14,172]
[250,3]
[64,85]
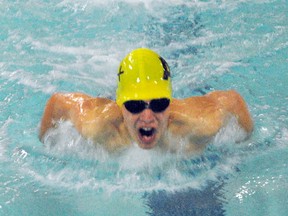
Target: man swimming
[145,112]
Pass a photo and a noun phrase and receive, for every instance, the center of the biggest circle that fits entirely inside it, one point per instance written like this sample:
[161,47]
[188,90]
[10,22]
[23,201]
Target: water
[67,46]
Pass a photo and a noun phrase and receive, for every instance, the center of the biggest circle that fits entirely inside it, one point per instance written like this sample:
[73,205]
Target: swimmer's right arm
[99,119]
[60,107]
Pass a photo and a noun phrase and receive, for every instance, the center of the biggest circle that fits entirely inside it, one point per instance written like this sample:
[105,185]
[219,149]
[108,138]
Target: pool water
[76,46]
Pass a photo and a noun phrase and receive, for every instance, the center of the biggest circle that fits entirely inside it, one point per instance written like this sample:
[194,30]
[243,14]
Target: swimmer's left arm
[200,118]
[232,102]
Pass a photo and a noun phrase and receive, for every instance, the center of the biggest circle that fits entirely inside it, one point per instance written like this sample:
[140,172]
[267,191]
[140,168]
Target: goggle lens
[156,105]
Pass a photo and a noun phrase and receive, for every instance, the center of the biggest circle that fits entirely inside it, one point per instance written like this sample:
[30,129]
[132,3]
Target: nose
[147,116]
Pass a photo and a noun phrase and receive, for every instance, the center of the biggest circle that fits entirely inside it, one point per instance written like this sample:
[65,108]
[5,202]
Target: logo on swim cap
[143,75]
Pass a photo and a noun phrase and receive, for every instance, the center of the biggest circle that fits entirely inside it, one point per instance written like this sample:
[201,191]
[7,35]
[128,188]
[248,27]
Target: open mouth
[147,134]
[146,131]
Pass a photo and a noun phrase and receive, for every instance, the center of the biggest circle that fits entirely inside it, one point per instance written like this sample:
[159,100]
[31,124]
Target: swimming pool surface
[67,46]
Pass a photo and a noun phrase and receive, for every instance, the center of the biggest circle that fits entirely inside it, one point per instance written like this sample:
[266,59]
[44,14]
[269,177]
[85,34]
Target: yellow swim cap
[143,75]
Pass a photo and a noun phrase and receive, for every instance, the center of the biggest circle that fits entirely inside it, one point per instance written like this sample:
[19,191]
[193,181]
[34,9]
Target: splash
[82,164]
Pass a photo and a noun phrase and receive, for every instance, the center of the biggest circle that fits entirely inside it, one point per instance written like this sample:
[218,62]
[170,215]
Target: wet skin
[194,119]
[146,128]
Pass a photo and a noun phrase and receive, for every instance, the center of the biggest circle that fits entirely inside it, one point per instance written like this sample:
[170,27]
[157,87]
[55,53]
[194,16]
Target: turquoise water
[66,46]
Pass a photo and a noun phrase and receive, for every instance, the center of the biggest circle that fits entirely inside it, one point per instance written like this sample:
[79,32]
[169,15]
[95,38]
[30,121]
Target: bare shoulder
[101,120]
[211,103]
[88,111]
[198,116]
[95,118]
[84,111]
[78,98]
[69,96]
[224,98]
[80,102]
[201,117]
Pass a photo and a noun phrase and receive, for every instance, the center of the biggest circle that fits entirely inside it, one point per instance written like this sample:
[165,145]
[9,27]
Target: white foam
[3,138]
[79,5]
[231,133]
[282,138]
[30,80]
[132,170]
[65,140]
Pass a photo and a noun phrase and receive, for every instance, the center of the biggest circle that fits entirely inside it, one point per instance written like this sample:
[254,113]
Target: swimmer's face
[146,127]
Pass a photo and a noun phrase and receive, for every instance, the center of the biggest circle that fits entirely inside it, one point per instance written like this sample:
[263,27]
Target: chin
[146,146]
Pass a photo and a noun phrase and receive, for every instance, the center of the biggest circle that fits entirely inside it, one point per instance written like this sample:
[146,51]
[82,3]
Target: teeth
[147,129]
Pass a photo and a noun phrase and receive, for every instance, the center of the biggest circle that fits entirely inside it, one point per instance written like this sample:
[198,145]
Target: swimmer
[145,113]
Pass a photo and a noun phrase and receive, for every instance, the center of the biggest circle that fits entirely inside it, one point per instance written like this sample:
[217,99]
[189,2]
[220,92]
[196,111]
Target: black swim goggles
[156,105]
